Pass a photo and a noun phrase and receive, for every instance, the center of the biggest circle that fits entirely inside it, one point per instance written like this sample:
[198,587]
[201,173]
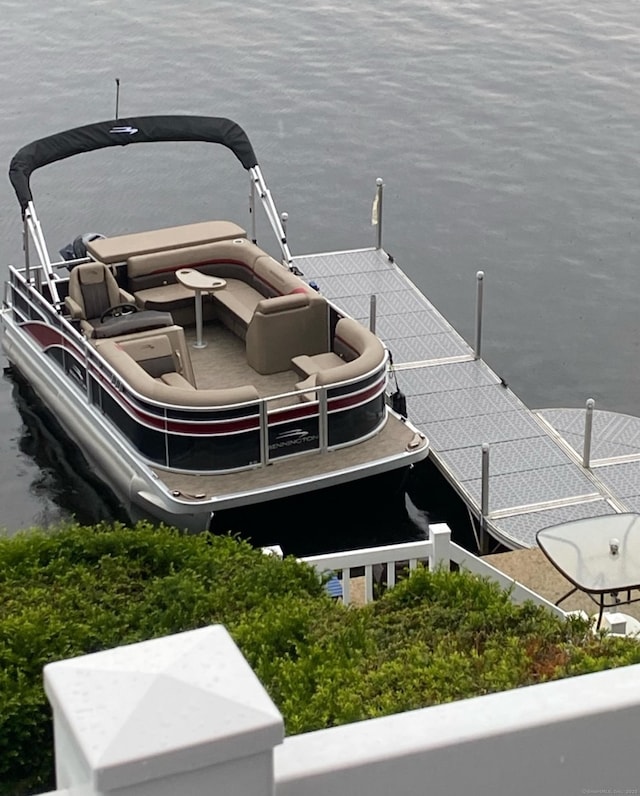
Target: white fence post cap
[157,708]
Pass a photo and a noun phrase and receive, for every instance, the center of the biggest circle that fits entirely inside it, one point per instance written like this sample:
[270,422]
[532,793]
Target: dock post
[479,304]
[588,426]
[376,213]
[284,217]
[484,500]
[372,313]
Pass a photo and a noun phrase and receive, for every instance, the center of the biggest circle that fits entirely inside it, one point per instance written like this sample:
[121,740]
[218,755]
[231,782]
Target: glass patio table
[599,556]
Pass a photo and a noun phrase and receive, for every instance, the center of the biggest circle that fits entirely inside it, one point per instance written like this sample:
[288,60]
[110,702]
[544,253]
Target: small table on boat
[599,555]
[200,283]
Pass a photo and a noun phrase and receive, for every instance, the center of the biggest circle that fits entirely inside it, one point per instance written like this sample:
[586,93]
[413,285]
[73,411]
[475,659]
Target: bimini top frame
[134,130]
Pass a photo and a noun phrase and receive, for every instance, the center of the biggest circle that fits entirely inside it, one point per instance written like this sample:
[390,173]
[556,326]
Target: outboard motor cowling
[78,249]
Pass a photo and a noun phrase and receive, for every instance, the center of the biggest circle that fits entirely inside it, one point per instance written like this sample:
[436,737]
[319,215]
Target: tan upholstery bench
[235,305]
[120,247]
[308,365]
[178,344]
[159,359]
[169,387]
[152,277]
[250,275]
[356,352]
[231,258]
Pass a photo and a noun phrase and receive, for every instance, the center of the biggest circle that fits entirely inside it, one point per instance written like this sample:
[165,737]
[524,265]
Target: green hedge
[436,637]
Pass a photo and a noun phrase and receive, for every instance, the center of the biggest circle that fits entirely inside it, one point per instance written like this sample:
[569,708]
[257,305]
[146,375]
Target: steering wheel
[118,310]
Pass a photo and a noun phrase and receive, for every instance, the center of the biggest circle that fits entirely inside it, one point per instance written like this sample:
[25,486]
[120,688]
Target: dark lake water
[506,131]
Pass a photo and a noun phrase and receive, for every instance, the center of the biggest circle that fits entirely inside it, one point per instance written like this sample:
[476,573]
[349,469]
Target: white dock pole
[479,306]
[484,499]
[284,217]
[372,313]
[588,426]
[376,216]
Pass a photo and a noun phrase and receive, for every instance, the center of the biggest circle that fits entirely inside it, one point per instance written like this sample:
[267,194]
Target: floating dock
[518,470]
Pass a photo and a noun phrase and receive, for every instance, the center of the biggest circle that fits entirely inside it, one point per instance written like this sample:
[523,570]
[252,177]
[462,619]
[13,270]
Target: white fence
[438,551]
[186,715]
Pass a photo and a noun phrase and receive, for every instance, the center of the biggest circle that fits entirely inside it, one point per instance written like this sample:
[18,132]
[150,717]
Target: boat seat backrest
[356,352]
[274,279]
[134,346]
[233,259]
[284,327]
[170,388]
[360,349]
[94,288]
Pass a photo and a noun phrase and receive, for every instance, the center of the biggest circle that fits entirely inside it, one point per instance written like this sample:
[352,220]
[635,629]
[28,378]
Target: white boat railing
[311,420]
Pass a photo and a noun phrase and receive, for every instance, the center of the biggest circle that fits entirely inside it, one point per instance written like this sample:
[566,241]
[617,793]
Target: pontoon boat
[195,371]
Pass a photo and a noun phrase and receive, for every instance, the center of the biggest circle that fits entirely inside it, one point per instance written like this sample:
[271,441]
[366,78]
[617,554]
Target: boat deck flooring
[535,457]
[222,363]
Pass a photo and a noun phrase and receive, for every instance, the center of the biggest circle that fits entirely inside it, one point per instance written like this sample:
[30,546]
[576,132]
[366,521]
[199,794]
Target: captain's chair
[94,294]
[92,291]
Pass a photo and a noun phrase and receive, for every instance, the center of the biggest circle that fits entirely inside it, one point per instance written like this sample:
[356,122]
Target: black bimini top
[120,132]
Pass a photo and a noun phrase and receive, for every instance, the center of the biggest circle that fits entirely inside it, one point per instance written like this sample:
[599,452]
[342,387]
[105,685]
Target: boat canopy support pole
[252,209]
[272,213]
[25,246]
[33,224]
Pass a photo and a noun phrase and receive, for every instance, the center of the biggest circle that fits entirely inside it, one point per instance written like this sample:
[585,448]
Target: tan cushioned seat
[307,366]
[170,260]
[357,351]
[353,339]
[239,298]
[119,248]
[157,390]
[167,297]
[176,380]
[152,278]
[176,338]
[154,354]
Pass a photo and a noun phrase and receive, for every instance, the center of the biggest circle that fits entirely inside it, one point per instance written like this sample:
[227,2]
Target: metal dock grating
[536,476]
